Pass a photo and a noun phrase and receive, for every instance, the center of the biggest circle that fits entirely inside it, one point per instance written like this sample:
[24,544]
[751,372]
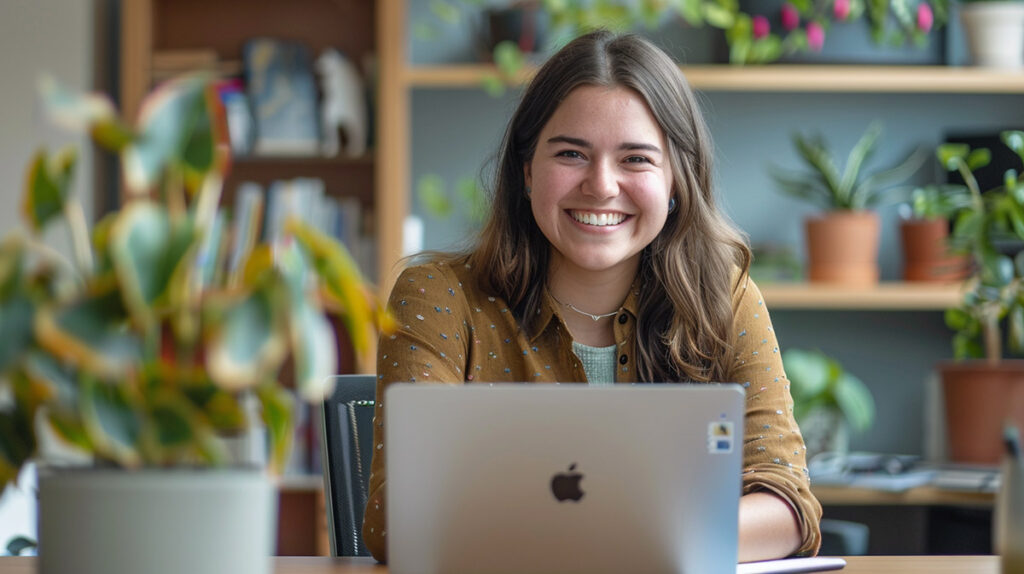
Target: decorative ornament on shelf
[144,350]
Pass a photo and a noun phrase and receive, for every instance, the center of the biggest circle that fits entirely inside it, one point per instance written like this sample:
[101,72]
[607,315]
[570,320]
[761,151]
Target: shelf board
[889,296]
[779,78]
[303,160]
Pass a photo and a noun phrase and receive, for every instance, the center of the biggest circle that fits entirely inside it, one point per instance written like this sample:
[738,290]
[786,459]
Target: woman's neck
[589,300]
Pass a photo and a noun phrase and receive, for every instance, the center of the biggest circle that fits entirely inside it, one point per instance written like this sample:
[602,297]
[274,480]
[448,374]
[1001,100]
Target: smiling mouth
[598,219]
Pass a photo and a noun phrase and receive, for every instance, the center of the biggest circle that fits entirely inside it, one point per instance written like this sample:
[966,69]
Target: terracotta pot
[926,255]
[979,397]
[842,247]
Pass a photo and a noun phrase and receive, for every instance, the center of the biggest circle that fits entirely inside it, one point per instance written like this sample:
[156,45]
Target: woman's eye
[570,153]
[638,159]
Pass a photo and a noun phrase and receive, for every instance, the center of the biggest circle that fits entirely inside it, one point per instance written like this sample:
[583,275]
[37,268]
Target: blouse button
[622,319]
[623,359]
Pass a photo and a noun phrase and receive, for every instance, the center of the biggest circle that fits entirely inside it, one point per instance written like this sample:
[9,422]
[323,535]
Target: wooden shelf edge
[777,78]
[304,160]
[892,296]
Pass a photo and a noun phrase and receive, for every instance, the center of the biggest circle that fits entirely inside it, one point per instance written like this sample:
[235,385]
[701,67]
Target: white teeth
[598,219]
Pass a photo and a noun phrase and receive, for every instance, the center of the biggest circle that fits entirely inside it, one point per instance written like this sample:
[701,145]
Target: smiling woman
[604,259]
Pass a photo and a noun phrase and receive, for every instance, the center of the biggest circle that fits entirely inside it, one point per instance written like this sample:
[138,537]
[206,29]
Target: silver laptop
[510,478]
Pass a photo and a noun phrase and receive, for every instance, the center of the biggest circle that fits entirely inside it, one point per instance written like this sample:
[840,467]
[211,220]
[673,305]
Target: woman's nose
[601,181]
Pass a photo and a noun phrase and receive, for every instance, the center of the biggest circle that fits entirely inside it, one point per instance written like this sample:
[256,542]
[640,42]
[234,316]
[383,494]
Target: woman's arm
[769,527]
[774,464]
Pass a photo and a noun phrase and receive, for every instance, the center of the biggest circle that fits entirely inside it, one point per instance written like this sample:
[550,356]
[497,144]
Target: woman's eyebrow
[570,140]
[585,144]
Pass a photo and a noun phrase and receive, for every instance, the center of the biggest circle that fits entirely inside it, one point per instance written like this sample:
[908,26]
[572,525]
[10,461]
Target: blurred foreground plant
[139,351]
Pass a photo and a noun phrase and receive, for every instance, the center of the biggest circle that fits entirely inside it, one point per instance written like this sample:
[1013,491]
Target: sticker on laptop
[720,437]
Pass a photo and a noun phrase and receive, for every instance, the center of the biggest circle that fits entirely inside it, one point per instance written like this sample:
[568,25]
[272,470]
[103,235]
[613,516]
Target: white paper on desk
[816,564]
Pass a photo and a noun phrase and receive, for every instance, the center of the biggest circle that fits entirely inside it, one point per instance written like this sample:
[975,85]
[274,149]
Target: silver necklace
[596,318]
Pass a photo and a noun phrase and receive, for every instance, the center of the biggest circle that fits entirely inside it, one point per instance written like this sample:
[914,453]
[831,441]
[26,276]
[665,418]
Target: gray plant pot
[173,521]
[995,33]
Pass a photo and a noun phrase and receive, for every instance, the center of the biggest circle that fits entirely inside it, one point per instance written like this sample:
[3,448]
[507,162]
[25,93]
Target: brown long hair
[689,271]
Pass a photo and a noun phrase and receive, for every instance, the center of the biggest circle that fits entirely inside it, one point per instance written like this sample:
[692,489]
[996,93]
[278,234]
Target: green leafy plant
[805,25]
[139,351]
[994,220]
[938,201]
[818,381]
[440,202]
[751,39]
[824,185]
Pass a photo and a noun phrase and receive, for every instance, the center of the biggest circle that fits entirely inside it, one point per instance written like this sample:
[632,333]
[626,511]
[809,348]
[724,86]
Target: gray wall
[455,132]
[54,36]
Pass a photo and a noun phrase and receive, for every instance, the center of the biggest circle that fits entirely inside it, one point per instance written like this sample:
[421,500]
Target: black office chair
[347,447]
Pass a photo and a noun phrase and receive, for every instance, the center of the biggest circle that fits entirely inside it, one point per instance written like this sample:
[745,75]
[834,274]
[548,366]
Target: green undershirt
[598,362]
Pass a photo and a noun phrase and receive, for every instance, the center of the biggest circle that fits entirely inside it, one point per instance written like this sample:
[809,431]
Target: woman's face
[600,180]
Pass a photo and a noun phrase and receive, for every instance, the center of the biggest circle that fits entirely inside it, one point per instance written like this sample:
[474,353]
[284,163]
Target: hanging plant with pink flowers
[803,25]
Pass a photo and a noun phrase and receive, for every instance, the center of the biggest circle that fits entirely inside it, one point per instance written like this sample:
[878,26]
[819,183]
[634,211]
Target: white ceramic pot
[167,521]
[995,33]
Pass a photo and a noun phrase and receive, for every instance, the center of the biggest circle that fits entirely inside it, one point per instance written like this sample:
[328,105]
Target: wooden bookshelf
[779,78]
[886,296]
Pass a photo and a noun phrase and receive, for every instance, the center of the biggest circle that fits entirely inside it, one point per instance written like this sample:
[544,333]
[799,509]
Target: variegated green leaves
[48,184]
[247,341]
[179,130]
[997,289]
[152,255]
[145,356]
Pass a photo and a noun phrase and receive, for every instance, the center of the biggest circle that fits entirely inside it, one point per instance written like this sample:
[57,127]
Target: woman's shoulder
[744,290]
[447,273]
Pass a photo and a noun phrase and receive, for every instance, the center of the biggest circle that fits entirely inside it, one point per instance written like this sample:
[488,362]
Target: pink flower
[841,9]
[925,17]
[761,27]
[790,17]
[815,36]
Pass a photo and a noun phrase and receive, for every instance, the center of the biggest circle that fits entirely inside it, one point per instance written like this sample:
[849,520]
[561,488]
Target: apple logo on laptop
[566,485]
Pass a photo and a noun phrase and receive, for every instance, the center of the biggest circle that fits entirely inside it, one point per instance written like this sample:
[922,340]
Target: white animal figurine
[343,105]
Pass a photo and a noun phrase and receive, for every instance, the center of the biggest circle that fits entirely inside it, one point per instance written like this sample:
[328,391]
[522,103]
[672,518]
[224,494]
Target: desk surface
[855,565]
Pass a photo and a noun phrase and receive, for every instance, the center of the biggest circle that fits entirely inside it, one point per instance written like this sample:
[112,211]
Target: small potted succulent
[143,351]
[982,388]
[924,233]
[828,401]
[842,243]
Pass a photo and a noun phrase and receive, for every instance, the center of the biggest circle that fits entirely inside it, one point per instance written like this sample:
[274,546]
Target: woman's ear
[527,175]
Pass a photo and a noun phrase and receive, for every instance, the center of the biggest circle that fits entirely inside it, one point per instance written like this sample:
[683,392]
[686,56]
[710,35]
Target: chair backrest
[347,444]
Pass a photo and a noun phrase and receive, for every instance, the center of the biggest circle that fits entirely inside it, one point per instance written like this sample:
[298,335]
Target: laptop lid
[511,478]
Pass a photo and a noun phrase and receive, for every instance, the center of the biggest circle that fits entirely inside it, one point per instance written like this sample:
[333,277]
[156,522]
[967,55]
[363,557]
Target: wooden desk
[919,496]
[855,565]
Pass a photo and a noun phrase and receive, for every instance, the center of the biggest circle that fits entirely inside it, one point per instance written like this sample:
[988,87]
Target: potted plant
[924,233]
[980,394]
[817,30]
[828,401]
[842,243]
[141,352]
[995,32]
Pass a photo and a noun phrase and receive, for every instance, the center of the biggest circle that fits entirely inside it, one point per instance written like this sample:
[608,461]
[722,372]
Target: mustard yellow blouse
[451,332]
